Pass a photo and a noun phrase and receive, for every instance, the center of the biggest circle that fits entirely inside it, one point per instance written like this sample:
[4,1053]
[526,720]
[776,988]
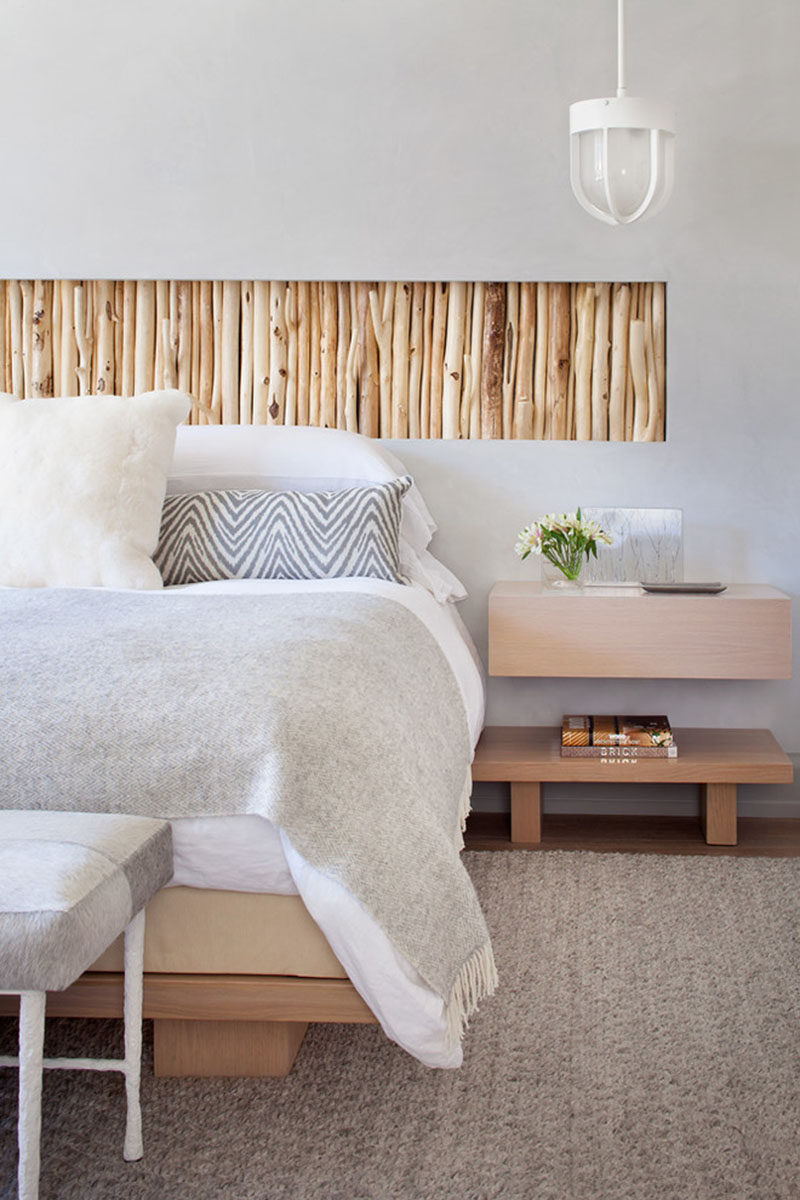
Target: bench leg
[526,813]
[31,1045]
[718,813]
[134,966]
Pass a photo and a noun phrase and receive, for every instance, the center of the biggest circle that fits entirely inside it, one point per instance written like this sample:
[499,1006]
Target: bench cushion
[69,884]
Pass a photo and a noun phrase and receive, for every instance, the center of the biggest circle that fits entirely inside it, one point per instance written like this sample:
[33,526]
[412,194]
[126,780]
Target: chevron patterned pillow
[282,535]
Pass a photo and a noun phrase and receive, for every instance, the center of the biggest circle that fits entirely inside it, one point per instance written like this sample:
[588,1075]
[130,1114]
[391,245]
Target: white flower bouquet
[564,539]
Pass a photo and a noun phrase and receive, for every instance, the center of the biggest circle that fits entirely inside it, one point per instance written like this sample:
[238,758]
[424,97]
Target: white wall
[426,139]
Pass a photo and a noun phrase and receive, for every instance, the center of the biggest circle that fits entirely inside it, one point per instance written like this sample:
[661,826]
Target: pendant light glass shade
[621,152]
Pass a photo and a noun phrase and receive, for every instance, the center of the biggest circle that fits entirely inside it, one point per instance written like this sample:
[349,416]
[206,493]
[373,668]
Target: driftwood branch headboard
[574,361]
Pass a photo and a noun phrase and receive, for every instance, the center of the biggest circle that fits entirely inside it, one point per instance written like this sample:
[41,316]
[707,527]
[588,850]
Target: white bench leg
[134,967]
[31,1050]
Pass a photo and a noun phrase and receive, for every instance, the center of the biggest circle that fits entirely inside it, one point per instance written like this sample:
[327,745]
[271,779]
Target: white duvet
[250,854]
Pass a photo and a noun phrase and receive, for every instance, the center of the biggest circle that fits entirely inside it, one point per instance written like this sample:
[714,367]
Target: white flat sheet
[248,853]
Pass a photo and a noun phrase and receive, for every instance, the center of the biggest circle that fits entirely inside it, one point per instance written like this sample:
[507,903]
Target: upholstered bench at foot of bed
[69,884]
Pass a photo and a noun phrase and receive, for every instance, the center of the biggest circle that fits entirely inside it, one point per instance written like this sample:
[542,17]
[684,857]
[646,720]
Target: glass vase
[555,580]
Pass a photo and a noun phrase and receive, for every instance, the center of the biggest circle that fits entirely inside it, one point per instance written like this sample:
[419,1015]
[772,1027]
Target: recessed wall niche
[569,361]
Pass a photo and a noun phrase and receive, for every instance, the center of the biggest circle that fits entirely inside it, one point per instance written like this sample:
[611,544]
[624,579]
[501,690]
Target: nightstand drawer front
[744,633]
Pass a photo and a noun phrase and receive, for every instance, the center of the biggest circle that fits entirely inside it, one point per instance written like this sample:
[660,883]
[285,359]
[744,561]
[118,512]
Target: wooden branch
[315,389]
[467,373]
[641,307]
[351,381]
[342,348]
[68,347]
[303,350]
[382,327]
[84,340]
[42,357]
[246,355]
[55,338]
[402,315]
[26,287]
[290,320]
[523,379]
[639,376]
[453,360]
[15,331]
[104,330]
[655,415]
[328,337]
[119,305]
[494,331]
[368,372]
[466,391]
[475,308]
[557,360]
[194,386]
[88,292]
[427,357]
[540,362]
[620,321]
[144,361]
[162,290]
[181,334]
[128,338]
[353,294]
[229,350]
[441,302]
[629,396]
[205,390]
[261,343]
[602,298]
[173,318]
[660,349]
[215,416]
[584,351]
[169,374]
[5,340]
[573,335]
[510,357]
[415,354]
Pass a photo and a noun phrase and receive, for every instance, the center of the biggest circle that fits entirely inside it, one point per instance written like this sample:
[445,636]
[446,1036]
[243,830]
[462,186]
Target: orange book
[586,736]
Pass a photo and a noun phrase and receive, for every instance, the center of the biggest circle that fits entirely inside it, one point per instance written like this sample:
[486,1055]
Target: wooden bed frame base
[208,1025]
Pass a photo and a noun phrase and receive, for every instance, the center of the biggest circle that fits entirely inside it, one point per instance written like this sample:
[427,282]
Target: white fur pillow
[82,482]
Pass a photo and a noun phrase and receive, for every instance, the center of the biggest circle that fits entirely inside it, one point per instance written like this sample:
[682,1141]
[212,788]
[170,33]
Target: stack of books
[617,737]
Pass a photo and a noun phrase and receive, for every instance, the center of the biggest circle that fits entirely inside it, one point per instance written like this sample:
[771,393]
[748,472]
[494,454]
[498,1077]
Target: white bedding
[248,853]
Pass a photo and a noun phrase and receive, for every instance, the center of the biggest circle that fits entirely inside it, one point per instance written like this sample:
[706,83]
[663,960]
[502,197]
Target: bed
[257,935]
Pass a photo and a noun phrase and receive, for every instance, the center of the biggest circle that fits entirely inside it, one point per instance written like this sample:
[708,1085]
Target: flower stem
[568,560]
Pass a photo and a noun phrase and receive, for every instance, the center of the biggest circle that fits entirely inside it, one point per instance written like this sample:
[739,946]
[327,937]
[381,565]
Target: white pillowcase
[82,484]
[308,459]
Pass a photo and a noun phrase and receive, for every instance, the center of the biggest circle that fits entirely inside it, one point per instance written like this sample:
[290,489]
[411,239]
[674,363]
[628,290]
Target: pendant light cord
[621,88]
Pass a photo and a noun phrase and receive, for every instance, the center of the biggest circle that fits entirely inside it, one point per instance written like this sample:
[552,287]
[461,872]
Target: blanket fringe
[476,980]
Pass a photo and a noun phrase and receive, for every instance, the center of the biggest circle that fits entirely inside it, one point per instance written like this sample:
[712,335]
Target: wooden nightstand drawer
[742,633]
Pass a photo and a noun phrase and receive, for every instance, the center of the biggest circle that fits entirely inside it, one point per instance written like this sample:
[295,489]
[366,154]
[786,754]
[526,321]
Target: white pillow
[308,459]
[82,483]
[294,458]
[426,570]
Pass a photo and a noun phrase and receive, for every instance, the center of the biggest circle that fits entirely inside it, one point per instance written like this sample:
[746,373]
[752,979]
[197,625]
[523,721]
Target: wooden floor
[778,838]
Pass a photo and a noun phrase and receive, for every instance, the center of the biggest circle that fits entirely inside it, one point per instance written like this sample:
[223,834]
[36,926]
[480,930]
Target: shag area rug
[644,1045]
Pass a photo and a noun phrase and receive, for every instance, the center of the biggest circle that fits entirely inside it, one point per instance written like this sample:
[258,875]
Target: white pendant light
[621,150]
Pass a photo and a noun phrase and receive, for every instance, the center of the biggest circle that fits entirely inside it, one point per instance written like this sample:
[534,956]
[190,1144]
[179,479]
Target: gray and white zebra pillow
[282,535]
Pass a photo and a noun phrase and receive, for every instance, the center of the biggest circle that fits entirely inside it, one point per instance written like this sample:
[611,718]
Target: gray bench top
[69,884]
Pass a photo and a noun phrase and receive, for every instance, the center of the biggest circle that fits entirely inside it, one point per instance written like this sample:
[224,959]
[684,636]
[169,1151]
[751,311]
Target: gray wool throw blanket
[334,715]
